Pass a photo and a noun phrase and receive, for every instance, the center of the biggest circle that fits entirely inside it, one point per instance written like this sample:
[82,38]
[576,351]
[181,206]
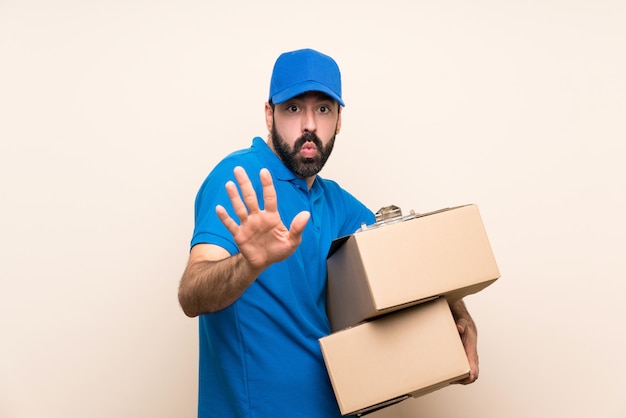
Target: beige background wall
[112,113]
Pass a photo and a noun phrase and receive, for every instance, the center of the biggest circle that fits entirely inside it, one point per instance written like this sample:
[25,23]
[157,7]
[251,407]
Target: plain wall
[113,112]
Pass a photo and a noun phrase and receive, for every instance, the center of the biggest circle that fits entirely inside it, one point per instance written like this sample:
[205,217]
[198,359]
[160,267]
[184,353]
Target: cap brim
[300,88]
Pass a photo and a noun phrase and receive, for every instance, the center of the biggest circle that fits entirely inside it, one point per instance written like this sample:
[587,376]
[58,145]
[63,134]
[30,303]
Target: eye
[292,108]
[324,109]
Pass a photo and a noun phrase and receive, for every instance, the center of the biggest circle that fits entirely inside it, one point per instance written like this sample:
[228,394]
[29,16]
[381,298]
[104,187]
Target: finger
[298,224]
[247,190]
[461,325]
[473,362]
[235,198]
[228,222]
[269,192]
[473,375]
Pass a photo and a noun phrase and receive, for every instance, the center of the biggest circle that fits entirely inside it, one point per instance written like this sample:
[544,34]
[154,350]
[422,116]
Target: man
[259,286]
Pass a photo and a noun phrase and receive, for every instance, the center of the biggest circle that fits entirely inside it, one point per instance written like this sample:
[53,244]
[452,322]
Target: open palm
[261,236]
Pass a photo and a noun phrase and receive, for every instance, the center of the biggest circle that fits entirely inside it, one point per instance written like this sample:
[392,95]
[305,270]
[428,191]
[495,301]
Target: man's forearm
[209,286]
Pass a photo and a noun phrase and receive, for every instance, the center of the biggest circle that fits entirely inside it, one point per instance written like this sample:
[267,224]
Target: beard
[301,166]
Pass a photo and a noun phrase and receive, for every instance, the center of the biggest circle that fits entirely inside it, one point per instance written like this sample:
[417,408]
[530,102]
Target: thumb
[460,326]
[298,223]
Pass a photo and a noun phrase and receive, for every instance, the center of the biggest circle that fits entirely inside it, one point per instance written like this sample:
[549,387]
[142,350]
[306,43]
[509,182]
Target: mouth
[308,150]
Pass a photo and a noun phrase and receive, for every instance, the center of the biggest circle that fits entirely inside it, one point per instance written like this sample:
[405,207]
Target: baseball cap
[297,72]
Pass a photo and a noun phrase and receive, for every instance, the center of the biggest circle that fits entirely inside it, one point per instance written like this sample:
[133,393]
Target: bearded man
[258,286]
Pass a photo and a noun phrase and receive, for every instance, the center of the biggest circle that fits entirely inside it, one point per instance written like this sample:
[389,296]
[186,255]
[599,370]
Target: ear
[338,124]
[269,116]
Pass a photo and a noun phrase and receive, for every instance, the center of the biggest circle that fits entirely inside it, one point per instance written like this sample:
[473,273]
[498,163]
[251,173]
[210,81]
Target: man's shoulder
[330,186]
[245,157]
[243,152]
[336,193]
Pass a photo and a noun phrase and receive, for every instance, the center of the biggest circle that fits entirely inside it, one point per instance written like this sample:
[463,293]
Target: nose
[309,124]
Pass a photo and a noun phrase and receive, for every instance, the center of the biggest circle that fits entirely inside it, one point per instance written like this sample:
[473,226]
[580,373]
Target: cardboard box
[391,267]
[405,354]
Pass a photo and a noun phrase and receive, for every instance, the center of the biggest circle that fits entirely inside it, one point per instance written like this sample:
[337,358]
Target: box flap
[334,246]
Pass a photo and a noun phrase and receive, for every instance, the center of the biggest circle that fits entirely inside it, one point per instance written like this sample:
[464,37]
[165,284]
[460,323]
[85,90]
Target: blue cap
[297,72]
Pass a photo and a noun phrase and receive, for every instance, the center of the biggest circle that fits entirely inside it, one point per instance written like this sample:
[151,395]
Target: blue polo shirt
[260,357]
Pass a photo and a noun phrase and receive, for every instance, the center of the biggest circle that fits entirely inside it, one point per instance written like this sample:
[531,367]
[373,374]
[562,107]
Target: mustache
[308,137]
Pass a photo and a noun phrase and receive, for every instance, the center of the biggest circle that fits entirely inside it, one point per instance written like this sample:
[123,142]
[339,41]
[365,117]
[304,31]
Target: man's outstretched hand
[261,236]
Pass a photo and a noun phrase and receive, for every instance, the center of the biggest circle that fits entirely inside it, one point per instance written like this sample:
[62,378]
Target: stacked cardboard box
[388,291]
